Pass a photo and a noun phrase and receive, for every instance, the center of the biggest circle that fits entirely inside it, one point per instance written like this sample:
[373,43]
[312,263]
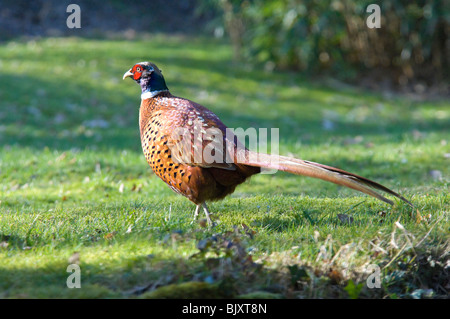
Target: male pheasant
[178,159]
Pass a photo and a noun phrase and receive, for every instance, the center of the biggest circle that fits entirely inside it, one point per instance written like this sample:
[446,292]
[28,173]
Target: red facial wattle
[137,72]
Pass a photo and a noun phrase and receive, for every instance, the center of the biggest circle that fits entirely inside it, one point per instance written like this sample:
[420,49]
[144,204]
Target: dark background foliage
[410,50]
[412,45]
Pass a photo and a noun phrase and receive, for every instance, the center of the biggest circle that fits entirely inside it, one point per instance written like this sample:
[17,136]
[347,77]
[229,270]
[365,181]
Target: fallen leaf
[61,157]
[335,276]
[110,236]
[137,188]
[345,218]
[75,258]
[316,236]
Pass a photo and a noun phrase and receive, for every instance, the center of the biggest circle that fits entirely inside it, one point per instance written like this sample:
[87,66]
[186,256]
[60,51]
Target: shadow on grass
[221,268]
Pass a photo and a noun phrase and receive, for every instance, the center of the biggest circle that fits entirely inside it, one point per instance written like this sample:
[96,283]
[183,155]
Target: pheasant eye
[138,69]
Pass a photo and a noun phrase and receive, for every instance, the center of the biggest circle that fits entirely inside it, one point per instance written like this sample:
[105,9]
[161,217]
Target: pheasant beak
[127,74]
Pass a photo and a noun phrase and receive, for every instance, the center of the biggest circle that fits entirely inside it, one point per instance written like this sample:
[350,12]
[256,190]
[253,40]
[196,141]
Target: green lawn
[73,179]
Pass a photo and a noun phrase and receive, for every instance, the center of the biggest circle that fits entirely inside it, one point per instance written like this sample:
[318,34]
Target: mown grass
[74,182]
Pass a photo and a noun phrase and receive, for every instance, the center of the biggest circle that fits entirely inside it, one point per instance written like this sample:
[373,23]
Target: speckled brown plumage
[161,114]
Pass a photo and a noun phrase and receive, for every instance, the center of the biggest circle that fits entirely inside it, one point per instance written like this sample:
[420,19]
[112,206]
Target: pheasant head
[149,77]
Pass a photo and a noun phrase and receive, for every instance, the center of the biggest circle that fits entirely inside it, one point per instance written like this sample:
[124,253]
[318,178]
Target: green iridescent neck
[153,85]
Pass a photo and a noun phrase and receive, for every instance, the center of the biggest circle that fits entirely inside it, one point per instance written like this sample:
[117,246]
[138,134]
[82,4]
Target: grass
[75,187]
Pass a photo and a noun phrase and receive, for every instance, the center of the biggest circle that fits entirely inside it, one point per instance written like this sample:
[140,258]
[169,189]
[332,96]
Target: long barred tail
[320,171]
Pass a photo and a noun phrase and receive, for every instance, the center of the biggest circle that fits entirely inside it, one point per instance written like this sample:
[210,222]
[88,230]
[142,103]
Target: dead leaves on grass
[227,250]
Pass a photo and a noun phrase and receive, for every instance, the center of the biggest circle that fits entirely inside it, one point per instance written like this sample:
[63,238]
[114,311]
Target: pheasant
[178,158]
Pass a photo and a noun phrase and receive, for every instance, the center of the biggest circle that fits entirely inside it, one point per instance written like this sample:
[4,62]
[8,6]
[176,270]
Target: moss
[187,290]
[260,295]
